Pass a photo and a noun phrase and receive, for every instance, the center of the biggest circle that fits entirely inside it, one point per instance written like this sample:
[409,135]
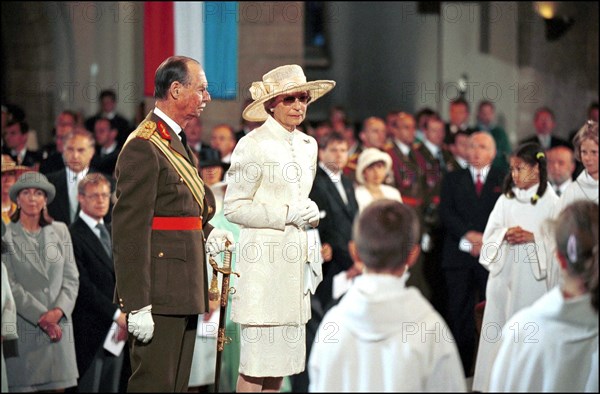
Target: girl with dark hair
[515,251]
[552,346]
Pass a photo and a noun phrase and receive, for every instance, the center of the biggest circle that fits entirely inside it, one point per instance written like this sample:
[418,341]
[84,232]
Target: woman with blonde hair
[585,186]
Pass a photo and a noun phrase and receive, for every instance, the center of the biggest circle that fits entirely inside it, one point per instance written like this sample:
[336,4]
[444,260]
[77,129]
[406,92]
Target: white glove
[215,243]
[311,213]
[141,325]
[295,215]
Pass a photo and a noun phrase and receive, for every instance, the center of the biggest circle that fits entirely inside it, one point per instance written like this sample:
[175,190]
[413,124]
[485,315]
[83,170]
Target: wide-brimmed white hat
[282,80]
[370,156]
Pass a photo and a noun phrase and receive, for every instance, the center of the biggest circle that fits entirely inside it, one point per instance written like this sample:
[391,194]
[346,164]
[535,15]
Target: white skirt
[272,350]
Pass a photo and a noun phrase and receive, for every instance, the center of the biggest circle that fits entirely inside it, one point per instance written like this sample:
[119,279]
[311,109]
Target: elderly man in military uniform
[161,232]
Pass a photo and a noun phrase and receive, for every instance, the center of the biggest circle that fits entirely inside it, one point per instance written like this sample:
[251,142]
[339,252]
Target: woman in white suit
[44,280]
[269,180]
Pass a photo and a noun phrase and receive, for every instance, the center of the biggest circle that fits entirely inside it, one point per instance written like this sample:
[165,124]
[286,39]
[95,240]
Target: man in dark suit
[333,193]
[160,224]
[544,123]
[15,137]
[95,312]
[77,154]
[408,179]
[52,153]
[202,150]
[467,199]
[459,120]
[108,104]
[437,162]
[107,147]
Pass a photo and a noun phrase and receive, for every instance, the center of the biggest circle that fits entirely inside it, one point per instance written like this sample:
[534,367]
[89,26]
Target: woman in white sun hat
[371,170]
[269,180]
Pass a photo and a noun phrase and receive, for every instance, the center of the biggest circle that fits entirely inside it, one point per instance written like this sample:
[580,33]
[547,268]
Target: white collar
[405,149]
[335,176]
[109,115]
[80,175]
[586,179]
[90,221]
[431,147]
[279,129]
[110,149]
[524,195]
[483,172]
[170,122]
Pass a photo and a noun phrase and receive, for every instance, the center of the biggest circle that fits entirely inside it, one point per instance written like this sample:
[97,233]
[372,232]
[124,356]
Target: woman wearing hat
[44,280]
[269,180]
[371,170]
[10,172]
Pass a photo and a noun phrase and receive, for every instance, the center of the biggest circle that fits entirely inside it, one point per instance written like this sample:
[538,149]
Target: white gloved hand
[311,213]
[141,324]
[295,215]
[216,242]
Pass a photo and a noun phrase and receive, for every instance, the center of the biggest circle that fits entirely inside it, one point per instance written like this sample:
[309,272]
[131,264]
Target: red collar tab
[162,130]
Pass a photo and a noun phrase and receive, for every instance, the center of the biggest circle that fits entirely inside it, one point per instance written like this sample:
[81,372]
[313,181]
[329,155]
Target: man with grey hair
[77,155]
[161,232]
[561,166]
[467,199]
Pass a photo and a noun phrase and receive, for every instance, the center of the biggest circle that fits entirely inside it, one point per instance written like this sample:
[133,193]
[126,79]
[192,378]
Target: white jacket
[271,169]
[383,336]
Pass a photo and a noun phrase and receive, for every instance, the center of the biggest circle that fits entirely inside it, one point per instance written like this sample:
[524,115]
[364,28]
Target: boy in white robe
[383,336]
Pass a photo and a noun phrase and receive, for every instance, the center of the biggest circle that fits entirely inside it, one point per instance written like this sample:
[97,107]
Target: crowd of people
[443,249]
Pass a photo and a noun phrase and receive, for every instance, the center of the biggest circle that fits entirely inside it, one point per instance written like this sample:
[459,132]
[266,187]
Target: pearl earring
[272,109]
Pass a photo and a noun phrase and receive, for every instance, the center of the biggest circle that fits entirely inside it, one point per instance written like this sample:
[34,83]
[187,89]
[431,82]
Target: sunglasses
[289,100]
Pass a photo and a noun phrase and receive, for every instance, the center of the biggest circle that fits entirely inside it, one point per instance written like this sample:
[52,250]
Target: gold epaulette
[145,129]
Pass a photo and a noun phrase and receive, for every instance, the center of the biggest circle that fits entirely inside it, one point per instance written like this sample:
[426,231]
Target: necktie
[478,184]
[183,139]
[105,238]
[185,147]
[440,158]
[558,192]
